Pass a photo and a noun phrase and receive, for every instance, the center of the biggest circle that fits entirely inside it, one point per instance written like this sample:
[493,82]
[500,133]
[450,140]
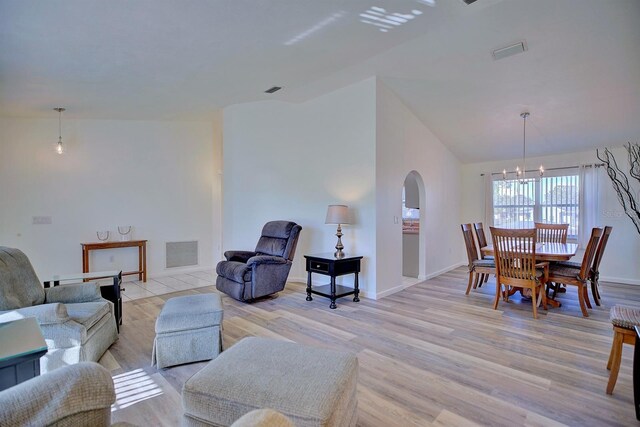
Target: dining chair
[594,275]
[482,242]
[552,233]
[570,275]
[516,267]
[478,268]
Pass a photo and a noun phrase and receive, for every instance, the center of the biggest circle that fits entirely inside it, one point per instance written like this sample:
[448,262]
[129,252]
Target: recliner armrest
[45,314]
[239,256]
[266,259]
[72,293]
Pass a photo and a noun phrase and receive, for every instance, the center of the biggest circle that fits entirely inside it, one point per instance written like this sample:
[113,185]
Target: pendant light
[59,147]
[521,173]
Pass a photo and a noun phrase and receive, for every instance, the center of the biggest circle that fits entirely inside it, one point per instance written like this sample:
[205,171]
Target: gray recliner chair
[247,275]
[77,323]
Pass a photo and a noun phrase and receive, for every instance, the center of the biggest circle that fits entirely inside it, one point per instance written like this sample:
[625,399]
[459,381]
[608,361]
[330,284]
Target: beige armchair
[77,323]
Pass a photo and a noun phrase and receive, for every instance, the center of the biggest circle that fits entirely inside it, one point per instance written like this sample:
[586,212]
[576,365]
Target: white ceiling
[160,59]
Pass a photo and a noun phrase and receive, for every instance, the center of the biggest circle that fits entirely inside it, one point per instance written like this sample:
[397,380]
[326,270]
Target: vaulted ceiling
[166,60]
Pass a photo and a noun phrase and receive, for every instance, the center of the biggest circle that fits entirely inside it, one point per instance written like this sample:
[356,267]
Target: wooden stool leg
[614,360]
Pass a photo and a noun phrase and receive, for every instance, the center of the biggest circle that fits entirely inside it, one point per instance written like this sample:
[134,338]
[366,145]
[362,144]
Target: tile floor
[134,289]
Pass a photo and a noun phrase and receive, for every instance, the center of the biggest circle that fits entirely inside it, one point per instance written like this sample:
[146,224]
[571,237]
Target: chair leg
[543,296]
[534,303]
[475,281]
[614,360]
[595,292]
[586,296]
[470,281]
[583,306]
[481,281]
[498,294]
[486,278]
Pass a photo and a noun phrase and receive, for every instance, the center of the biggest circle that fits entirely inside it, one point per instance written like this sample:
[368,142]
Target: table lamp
[338,214]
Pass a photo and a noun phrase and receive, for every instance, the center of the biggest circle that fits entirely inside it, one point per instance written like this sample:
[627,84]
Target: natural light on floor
[133,387]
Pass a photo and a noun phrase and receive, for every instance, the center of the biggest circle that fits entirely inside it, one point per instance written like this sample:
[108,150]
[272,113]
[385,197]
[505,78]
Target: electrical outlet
[112,259]
[395,219]
[41,220]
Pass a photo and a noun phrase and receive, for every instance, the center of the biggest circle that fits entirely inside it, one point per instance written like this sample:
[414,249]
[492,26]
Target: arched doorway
[413,243]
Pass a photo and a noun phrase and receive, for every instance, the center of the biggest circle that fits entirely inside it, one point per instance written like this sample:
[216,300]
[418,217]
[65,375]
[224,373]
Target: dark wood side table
[111,291]
[142,255]
[327,264]
[22,347]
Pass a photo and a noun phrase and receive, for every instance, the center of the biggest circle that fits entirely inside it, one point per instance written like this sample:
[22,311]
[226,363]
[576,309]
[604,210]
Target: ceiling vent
[513,49]
[468,2]
[273,89]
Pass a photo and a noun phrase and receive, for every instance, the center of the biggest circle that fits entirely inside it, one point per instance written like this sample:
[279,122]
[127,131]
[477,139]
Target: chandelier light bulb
[59,146]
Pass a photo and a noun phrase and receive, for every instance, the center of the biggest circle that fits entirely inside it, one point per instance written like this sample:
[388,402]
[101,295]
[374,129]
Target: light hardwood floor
[429,355]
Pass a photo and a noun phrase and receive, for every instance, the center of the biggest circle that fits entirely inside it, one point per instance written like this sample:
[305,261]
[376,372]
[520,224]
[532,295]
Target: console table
[111,291]
[22,347]
[142,255]
[328,265]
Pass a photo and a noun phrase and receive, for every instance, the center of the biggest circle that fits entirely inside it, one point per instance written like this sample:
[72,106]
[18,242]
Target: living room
[167,128]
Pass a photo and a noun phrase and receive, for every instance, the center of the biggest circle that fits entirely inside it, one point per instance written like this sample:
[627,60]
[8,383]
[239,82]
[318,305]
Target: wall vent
[181,254]
[468,2]
[273,89]
[513,49]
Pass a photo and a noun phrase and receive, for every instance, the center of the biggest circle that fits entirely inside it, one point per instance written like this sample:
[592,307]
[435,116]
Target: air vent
[468,2]
[273,89]
[513,49]
[181,254]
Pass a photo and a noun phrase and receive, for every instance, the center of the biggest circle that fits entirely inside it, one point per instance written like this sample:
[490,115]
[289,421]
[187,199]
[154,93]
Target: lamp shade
[337,214]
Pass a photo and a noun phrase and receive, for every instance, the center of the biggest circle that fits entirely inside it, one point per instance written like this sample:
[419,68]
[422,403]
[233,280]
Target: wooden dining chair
[552,233]
[482,242]
[478,268]
[569,275]
[516,267]
[594,274]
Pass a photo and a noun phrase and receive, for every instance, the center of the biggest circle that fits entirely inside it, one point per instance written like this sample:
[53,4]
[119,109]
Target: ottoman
[311,386]
[188,329]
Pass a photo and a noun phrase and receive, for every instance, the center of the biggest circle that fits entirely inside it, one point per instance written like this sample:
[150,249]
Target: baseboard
[623,280]
[179,270]
[422,278]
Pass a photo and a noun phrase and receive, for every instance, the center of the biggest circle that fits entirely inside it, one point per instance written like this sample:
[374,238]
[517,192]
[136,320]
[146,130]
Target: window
[551,199]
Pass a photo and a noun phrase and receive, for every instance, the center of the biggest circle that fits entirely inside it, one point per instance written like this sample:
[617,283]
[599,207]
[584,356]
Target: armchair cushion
[240,256]
[76,292]
[81,394]
[45,314]
[234,270]
[89,313]
[20,285]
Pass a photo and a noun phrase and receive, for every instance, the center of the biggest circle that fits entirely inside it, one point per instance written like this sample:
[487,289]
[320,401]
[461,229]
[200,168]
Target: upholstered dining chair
[561,273]
[516,266]
[594,273]
[552,233]
[247,275]
[478,268]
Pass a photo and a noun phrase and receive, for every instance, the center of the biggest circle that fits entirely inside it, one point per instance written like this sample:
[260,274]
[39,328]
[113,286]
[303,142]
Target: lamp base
[338,254]
[339,246]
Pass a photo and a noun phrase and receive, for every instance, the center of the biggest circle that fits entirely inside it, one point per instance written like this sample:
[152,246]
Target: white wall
[159,177]
[620,262]
[289,161]
[404,144]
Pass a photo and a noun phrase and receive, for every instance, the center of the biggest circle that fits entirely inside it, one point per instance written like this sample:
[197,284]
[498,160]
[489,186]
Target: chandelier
[59,148]
[521,173]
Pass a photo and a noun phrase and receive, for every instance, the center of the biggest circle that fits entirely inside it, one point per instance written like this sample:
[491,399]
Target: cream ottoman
[188,329]
[311,386]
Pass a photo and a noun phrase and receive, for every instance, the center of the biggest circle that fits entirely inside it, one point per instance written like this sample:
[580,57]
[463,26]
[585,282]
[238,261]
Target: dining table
[545,251]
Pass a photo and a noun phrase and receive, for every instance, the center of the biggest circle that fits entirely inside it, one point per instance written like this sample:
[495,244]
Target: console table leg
[333,292]
[309,298]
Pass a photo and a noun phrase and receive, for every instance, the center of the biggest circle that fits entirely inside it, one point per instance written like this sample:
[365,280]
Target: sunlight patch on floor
[133,387]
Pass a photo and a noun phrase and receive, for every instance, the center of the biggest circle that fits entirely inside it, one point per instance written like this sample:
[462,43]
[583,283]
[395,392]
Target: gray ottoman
[188,329]
[311,386]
